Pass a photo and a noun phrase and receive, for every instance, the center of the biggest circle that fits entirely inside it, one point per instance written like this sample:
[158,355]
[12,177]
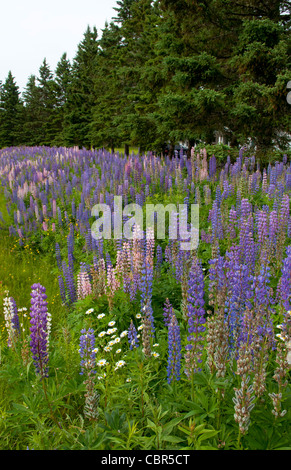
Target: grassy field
[211,372]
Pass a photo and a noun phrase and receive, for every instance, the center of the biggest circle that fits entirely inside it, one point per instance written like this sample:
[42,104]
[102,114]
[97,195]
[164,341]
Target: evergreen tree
[10,113]
[107,87]
[63,79]
[227,67]
[32,111]
[81,96]
[259,109]
[47,105]
[137,20]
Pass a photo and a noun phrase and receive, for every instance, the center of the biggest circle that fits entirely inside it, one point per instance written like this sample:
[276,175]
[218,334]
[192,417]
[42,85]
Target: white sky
[32,30]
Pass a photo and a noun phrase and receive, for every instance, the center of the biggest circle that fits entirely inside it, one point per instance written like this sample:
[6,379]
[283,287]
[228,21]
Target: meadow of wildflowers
[151,346]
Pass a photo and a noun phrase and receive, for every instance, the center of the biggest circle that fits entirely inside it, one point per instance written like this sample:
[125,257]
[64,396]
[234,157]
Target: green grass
[21,267]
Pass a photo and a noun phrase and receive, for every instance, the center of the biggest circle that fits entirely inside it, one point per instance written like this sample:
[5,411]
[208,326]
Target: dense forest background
[164,71]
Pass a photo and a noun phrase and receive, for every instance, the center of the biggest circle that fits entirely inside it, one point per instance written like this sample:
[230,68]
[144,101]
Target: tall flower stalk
[88,363]
[39,329]
[174,350]
[196,319]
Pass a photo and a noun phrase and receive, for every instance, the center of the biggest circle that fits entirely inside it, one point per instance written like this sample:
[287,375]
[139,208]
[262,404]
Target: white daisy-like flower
[95,350]
[118,351]
[117,340]
[111,331]
[124,333]
[280,336]
[101,315]
[101,334]
[100,377]
[155,354]
[111,323]
[102,362]
[139,327]
[155,345]
[111,343]
[107,348]
[119,364]
[91,310]
[138,315]
[128,380]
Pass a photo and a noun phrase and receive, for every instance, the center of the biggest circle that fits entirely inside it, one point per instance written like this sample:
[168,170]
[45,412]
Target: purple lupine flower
[146,286]
[263,301]
[70,282]
[237,295]
[217,282]
[58,256]
[62,289]
[247,246]
[39,330]
[285,281]
[132,336]
[87,351]
[174,351]
[167,312]
[262,226]
[196,317]
[159,256]
[15,317]
[216,223]
[212,166]
[232,223]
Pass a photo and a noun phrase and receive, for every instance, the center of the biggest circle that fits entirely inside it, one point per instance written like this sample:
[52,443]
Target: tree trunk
[126,149]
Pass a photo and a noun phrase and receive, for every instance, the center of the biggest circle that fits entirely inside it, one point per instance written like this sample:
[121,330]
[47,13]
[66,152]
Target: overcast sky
[32,30]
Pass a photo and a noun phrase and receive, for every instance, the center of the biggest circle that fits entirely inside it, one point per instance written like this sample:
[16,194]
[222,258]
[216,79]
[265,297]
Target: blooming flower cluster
[39,329]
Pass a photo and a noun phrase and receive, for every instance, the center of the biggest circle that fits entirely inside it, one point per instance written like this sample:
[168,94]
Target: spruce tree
[10,113]
[32,110]
[63,79]
[81,96]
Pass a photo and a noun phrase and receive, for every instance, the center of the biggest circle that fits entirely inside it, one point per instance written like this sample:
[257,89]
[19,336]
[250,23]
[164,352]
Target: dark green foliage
[10,112]
[164,71]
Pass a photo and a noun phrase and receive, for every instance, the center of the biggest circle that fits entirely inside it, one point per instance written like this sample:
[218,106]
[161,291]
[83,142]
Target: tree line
[162,71]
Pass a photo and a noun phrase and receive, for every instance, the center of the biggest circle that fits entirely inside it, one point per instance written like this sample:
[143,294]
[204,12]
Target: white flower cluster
[8,311]
[286,340]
